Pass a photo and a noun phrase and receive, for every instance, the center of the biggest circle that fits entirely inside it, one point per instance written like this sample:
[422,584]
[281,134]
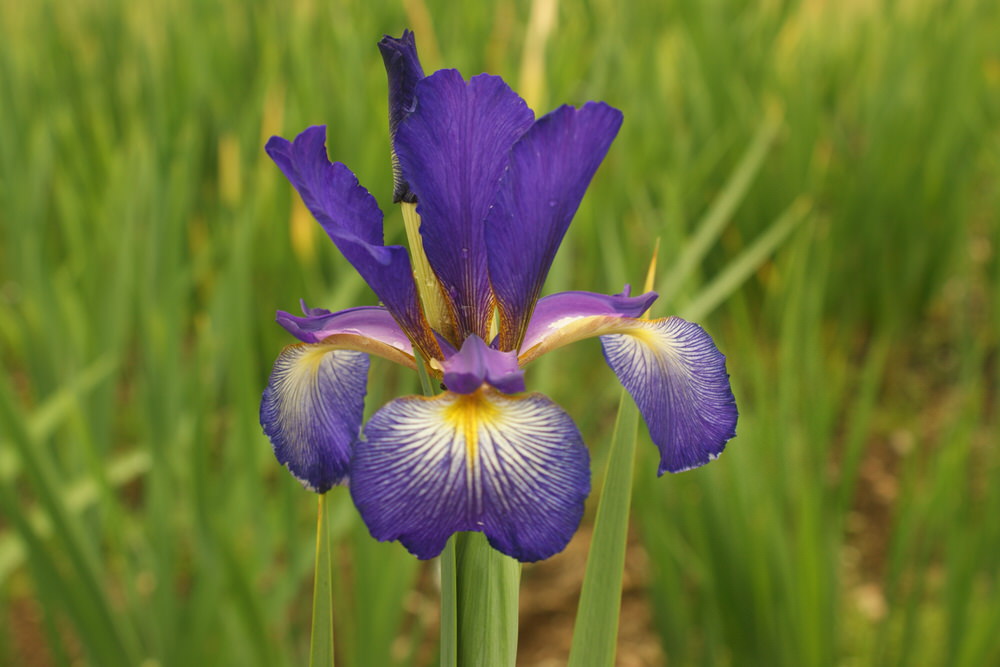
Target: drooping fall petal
[312,410]
[678,378]
[514,468]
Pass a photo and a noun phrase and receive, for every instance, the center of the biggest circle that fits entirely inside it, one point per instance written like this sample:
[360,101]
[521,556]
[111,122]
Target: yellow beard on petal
[467,415]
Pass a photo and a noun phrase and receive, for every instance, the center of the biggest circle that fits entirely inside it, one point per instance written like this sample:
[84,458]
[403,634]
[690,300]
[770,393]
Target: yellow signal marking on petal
[465,416]
[297,383]
[643,335]
[313,358]
[656,348]
[361,343]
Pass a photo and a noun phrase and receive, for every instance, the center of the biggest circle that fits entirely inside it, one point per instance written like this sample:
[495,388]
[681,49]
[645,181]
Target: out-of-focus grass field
[829,172]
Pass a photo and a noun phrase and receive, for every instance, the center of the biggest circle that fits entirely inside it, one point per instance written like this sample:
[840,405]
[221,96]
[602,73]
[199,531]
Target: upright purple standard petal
[513,468]
[453,149]
[403,69]
[312,409]
[678,379]
[550,169]
[353,221]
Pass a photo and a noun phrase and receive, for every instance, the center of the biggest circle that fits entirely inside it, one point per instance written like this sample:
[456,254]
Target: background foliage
[146,241]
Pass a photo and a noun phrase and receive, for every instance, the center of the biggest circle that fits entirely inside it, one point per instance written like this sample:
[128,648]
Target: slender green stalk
[449,607]
[321,644]
[596,631]
[425,380]
[487,589]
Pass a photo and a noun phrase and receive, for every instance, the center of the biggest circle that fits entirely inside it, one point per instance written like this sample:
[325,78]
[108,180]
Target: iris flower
[488,193]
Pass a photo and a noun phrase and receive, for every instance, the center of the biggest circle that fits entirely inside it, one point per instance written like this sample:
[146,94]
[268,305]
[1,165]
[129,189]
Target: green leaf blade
[321,644]
[595,633]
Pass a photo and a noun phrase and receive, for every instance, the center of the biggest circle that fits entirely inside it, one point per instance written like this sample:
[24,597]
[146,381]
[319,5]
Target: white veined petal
[312,410]
[678,379]
[513,467]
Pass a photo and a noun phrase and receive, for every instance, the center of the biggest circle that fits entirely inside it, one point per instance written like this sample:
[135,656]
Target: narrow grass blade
[714,221]
[425,380]
[72,593]
[487,589]
[740,269]
[56,409]
[79,496]
[110,633]
[596,630]
[321,644]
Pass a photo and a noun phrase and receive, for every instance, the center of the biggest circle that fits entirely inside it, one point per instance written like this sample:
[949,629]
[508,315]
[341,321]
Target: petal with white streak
[312,410]
[678,378]
[514,468]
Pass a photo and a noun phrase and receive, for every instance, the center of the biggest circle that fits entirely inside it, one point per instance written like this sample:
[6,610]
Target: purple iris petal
[370,321]
[310,312]
[555,311]
[476,363]
[353,221]
[678,379]
[453,149]
[402,66]
[513,468]
[312,409]
[550,169]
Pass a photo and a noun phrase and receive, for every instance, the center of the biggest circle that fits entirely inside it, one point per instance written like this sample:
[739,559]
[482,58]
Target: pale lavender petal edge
[373,322]
[554,311]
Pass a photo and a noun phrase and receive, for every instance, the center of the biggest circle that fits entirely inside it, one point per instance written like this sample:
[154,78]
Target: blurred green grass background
[838,162]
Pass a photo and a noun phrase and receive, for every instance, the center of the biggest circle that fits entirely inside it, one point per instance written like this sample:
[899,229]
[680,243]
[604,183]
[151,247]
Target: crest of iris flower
[487,193]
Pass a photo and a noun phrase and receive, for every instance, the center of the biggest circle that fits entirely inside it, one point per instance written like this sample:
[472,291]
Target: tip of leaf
[650,283]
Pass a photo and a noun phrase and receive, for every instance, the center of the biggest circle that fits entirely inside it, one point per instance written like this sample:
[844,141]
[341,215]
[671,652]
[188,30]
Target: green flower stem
[487,588]
[595,634]
[321,644]
[449,607]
